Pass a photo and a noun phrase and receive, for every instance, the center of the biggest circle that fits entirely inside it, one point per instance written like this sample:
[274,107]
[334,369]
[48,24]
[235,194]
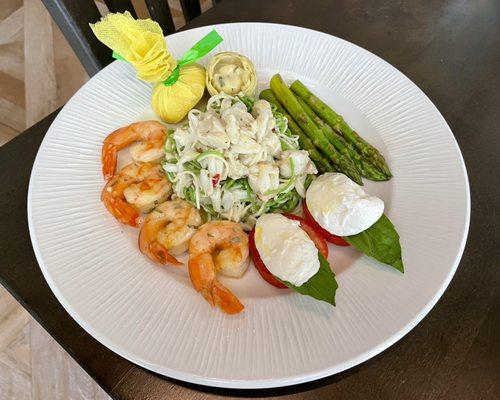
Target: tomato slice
[259,264]
[319,242]
[330,237]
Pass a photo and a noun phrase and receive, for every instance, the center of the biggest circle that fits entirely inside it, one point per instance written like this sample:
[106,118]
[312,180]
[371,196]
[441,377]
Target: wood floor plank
[55,375]
[39,68]
[80,384]
[11,28]
[12,89]
[7,133]
[12,115]
[12,59]
[49,377]
[13,319]
[7,302]
[8,7]
[100,394]
[17,354]
[14,384]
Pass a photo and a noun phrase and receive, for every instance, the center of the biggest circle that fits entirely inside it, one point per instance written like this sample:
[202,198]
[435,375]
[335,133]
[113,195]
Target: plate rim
[272,382]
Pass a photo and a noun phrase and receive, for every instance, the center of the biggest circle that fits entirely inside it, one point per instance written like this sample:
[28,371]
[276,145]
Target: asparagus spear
[338,124]
[327,131]
[364,167]
[288,100]
[305,143]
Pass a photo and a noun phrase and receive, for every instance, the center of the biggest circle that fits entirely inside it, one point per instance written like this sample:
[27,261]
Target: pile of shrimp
[172,226]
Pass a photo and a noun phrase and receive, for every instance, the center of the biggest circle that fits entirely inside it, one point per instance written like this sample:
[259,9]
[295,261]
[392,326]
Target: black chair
[73,18]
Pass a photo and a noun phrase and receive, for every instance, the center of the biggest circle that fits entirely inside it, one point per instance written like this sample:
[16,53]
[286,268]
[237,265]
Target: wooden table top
[451,50]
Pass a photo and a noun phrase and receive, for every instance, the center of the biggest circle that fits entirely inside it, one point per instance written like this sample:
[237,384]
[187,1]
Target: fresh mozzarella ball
[286,250]
[341,206]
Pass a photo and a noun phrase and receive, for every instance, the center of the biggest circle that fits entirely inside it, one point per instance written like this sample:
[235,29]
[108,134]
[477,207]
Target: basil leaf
[321,286]
[380,241]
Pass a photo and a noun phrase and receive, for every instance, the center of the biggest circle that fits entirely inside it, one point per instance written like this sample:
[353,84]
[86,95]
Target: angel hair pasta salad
[237,160]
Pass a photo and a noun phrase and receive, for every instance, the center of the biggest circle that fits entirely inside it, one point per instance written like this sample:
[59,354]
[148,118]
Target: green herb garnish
[380,241]
[321,286]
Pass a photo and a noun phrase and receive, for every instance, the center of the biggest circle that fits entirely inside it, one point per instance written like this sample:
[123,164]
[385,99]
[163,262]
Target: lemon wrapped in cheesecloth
[231,73]
[178,84]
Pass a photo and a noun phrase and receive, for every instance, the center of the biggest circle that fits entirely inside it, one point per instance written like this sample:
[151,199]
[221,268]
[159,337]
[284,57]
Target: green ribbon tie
[118,57]
[199,50]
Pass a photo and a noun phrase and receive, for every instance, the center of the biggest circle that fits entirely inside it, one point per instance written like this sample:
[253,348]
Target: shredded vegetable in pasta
[237,160]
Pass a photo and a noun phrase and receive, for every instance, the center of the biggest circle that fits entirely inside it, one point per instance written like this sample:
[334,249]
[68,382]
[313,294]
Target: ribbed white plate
[152,316]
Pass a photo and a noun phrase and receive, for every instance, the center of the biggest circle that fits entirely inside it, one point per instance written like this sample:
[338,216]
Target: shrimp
[167,230]
[139,187]
[217,245]
[150,135]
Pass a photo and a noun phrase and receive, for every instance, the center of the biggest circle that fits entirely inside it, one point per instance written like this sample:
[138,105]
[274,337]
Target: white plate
[153,317]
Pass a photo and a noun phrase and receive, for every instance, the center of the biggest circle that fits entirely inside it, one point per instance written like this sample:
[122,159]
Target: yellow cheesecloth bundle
[179,85]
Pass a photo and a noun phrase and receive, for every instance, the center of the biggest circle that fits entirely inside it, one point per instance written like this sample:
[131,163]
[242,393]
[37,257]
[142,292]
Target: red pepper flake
[274,130]
[215,180]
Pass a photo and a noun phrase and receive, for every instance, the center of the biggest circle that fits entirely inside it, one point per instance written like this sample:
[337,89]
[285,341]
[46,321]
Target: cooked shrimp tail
[158,253]
[225,299]
[109,155]
[109,158]
[218,246]
[202,275]
[118,207]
